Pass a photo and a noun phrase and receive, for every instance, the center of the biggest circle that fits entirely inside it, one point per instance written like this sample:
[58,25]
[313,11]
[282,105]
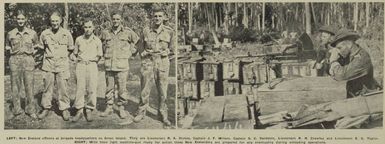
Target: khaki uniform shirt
[56,46]
[118,48]
[357,70]
[88,49]
[158,41]
[21,42]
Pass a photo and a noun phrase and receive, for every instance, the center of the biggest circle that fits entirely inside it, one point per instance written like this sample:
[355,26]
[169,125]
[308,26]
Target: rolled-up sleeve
[358,67]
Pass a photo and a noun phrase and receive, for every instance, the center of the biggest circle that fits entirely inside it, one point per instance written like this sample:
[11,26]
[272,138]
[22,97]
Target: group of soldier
[115,45]
[343,59]
[338,56]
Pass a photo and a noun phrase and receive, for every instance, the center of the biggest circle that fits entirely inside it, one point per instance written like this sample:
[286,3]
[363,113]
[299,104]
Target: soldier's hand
[7,48]
[144,53]
[334,54]
[73,57]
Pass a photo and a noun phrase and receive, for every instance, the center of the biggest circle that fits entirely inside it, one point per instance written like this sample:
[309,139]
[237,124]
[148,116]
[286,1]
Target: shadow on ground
[55,121]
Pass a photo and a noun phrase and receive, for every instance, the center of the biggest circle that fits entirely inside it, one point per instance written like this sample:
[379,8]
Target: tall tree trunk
[313,14]
[190,14]
[355,16]
[367,14]
[308,18]
[258,22]
[208,16]
[263,16]
[245,20]
[108,12]
[215,13]
[236,14]
[226,20]
[328,16]
[272,22]
[66,17]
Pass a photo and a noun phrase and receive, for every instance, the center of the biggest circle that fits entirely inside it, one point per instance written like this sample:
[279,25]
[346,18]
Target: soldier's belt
[85,62]
[157,54]
[20,54]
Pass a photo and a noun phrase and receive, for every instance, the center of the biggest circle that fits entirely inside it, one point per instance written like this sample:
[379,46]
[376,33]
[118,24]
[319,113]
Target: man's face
[20,19]
[116,20]
[344,47]
[325,37]
[55,21]
[158,18]
[88,28]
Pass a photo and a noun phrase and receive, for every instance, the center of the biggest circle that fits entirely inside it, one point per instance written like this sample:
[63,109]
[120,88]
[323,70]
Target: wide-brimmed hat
[328,29]
[344,34]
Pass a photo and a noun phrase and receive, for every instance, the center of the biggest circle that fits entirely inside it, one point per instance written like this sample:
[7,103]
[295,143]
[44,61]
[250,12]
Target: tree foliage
[135,15]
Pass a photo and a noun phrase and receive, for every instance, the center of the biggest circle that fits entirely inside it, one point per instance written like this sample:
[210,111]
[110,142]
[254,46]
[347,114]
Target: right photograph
[280,65]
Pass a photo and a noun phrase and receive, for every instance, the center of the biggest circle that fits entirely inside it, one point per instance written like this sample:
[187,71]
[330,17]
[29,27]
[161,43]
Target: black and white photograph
[275,65]
[89,65]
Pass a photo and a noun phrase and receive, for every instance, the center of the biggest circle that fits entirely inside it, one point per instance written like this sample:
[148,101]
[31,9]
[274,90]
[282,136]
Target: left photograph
[89,66]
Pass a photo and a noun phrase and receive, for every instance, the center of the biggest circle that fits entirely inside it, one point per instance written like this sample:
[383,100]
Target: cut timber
[353,110]
[214,110]
[290,94]
[242,124]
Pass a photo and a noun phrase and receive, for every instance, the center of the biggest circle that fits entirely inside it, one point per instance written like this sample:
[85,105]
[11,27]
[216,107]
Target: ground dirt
[55,121]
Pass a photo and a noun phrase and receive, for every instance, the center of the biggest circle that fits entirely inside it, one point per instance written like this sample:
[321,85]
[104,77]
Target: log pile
[348,113]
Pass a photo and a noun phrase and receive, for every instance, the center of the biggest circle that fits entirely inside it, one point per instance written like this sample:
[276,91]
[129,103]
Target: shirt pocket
[28,45]
[164,42]
[150,43]
[62,47]
[16,44]
[124,48]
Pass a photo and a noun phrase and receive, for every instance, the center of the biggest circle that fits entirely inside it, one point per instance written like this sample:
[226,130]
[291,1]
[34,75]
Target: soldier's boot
[66,115]
[165,120]
[33,116]
[17,111]
[108,111]
[78,115]
[43,114]
[122,112]
[140,114]
[89,115]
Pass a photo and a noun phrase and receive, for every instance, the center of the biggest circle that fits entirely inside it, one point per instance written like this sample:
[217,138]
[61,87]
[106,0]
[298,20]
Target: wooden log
[273,118]
[221,109]
[348,108]
[292,93]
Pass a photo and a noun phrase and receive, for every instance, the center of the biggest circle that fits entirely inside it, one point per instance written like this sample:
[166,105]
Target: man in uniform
[326,36]
[87,53]
[350,62]
[118,44]
[158,44]
[21,42]
[57,42]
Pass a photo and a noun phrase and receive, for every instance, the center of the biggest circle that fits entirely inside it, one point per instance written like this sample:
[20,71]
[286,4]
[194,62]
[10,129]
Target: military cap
[328,29]
[344,34]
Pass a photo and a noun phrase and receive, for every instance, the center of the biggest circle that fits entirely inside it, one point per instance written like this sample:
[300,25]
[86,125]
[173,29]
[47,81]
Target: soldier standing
[350,62]
[21,42]
[118,45]
[57,43]
[87,53]
[158,44]
[326,36]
